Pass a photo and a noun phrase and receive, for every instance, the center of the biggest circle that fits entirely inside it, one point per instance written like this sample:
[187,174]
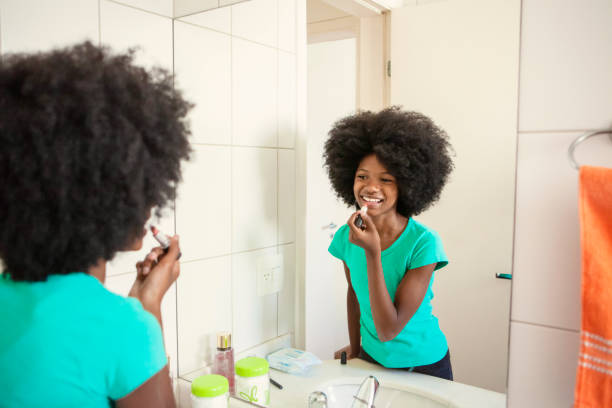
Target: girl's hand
[349,353]
[368,238]
[155,274]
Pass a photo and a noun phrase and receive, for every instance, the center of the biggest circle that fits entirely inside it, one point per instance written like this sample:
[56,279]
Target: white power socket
[269,274]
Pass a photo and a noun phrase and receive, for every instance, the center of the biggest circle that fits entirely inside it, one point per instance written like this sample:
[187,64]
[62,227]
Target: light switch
[269,274]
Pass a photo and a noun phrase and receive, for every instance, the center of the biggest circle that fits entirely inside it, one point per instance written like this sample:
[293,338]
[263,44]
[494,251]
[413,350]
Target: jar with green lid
[253,380]
[210,391]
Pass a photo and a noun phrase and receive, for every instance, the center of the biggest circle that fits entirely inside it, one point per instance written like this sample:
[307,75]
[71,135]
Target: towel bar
[581,139]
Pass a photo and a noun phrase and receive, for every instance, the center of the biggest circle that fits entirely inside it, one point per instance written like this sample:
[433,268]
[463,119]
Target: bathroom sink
[340,395]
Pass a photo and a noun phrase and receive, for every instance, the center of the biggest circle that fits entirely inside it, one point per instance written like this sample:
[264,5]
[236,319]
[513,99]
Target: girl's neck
[388,224]
[98,270]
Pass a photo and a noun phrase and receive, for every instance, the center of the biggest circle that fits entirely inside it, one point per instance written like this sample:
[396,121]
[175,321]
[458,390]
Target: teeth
[372,200]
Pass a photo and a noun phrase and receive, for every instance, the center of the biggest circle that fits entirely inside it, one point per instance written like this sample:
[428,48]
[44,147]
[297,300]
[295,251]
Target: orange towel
[594,377]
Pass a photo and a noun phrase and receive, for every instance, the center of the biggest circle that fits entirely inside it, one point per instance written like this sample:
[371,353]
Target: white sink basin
[340,395]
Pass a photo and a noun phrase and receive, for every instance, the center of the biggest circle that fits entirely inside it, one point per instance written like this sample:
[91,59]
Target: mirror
[457,63]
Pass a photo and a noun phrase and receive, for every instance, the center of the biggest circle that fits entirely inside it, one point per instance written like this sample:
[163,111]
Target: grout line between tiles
[545,325]
[231,92]
[557,131]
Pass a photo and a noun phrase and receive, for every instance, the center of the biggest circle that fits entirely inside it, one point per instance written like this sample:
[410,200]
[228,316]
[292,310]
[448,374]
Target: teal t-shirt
[69,342]
[421,342]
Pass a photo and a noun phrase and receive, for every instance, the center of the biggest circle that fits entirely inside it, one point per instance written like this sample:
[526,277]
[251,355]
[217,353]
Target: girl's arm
[390,318]
[353,314]
[154,276]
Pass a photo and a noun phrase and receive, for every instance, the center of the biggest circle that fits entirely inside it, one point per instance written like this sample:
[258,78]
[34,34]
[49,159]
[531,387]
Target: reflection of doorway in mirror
[331,95]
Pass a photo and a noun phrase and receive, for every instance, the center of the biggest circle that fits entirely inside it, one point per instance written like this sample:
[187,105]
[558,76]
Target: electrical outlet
[269,274]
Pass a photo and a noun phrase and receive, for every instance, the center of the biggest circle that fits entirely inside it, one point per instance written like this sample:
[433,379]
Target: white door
[457,62]
[331,95]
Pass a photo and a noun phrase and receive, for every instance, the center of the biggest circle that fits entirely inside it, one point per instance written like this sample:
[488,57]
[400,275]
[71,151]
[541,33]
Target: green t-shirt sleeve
[338,245]
[140,351]
[428,250]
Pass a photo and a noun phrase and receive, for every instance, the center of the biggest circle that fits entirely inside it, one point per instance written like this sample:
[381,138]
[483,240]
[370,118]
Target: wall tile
[228,2]
[126,261]
[286,99]
[286,196]
[203,216]
[256,20]
[204,308]
[186,7]
[219,19]
[543,364]
[286,297]
[203,70]
[122,284]
[286,25]
[255,320]
[566,60]
[153,37]
[254,198]
[254,94]
[26,25]
[547,269]
[163,7]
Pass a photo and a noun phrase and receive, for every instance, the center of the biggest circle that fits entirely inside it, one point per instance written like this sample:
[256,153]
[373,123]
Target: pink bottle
[224,360]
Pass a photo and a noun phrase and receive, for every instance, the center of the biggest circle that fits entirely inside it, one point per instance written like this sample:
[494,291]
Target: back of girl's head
[410,146]
[90,143]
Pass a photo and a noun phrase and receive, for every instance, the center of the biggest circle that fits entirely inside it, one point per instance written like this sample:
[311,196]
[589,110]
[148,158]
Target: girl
[395,163]
[90,144]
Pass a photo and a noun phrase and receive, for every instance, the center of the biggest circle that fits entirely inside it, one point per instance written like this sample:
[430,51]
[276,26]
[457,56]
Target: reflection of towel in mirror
[594,377]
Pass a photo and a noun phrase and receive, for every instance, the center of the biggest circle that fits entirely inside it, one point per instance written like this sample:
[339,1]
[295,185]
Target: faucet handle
[317,399]
[366,393]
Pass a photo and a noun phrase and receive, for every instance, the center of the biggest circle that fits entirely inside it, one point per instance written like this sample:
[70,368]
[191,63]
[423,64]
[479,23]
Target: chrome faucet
[317,399]
[366,393]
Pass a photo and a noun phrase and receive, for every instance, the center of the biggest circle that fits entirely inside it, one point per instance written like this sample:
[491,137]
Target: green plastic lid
[211,385]
[252,367]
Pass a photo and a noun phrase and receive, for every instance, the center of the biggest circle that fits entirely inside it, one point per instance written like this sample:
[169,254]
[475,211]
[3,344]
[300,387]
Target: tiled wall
[237,199]
[565,91]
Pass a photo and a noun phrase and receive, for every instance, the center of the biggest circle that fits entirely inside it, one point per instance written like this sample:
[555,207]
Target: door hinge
[389,68]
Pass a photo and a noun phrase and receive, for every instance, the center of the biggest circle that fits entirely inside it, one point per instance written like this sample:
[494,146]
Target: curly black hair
[409,144]
[90,144]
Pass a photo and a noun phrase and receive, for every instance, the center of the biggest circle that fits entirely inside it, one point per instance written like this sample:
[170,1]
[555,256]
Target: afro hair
[90,144]
[411,147]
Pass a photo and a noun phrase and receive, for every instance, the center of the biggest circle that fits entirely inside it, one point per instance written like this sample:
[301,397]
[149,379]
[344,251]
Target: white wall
[565,91]
[237,200]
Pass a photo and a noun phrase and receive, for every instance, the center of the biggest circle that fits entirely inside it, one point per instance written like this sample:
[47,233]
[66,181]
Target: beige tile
[202,60]
[286,25]
[31,25]
[255,317]
[286,196]
[218,19]
[153,37]
[203,211]
[566,60]
[547,269]
[286,99]
[256,20]
[286,297]
[163,7]
[254,198]
[254,94]
[543,365]
[186,7]
[204,308]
